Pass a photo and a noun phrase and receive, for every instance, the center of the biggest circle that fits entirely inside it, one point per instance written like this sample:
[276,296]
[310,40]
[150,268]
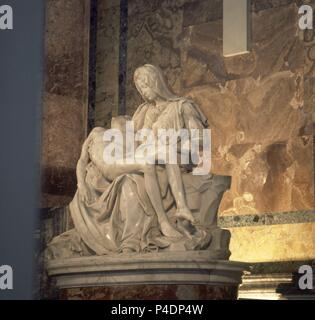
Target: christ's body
[93,150]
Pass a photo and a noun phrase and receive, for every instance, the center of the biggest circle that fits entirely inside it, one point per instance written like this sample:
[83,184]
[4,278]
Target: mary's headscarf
[154,78]
[156,81]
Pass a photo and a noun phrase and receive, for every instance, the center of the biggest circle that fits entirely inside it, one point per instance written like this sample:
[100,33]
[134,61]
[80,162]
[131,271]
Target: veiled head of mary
[151,84]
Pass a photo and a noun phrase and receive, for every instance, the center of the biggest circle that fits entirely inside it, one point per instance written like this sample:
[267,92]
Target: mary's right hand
[84,194]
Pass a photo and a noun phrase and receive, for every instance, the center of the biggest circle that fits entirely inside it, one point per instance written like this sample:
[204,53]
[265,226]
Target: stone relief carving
[140,208]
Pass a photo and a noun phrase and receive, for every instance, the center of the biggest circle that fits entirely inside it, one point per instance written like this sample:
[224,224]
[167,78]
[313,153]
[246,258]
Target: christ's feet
[168,230]
[185,213]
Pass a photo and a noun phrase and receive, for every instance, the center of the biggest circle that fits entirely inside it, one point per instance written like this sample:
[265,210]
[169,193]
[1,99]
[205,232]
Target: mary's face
[144,88]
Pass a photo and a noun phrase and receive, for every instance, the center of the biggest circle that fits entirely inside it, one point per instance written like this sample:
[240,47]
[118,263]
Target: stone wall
[107,62]
[64,122]
[255,103]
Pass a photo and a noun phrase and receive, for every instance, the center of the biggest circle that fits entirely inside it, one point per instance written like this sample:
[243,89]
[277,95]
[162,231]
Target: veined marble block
[168,274]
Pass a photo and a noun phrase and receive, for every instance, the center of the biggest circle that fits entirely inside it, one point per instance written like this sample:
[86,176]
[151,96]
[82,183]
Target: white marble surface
[193,267]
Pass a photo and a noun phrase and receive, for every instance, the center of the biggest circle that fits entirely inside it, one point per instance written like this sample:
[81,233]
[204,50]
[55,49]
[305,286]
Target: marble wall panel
[64,120]
[201,11]
[257,109]
[270,52]
[107,62]
[260,105]
[308,37]
[273,243]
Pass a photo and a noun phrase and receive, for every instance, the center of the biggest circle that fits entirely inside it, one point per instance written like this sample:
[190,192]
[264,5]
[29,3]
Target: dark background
[21,74]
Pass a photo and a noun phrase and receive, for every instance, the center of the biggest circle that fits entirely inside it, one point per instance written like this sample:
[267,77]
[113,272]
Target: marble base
[152,292]
[166,275]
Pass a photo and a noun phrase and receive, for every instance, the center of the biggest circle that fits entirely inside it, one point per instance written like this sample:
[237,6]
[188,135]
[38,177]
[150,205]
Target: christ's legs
[153,190]
[176,183]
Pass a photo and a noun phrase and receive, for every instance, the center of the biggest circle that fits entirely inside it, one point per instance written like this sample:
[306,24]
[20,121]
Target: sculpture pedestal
[163,275]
